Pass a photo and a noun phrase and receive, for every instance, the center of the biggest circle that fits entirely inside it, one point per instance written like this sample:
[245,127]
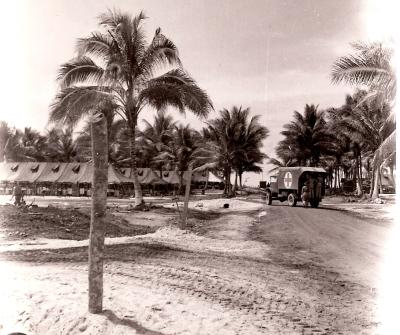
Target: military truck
[286,185]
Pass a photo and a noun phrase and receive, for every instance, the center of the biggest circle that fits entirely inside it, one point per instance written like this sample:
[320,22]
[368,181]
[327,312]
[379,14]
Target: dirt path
[277,270]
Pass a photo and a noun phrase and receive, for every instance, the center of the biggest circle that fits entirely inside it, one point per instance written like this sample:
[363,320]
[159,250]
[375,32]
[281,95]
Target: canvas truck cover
[288,177]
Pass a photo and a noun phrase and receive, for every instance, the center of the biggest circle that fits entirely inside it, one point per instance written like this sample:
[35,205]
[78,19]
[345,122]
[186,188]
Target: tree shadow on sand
[140,330]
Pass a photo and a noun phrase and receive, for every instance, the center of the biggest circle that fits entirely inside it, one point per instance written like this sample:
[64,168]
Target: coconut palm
[155,137]
[60,145]
[5,135]
[236,140]
[249,143]
[181,150]
[306,138]
[371,65]
[121,67]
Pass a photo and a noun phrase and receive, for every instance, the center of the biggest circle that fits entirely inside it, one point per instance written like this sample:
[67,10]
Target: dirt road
[277,270]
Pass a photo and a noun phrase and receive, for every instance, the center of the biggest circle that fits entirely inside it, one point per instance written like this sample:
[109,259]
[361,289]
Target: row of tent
[81,173]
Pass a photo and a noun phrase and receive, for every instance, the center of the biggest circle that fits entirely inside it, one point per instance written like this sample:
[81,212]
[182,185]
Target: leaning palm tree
[119,64]
[371,65]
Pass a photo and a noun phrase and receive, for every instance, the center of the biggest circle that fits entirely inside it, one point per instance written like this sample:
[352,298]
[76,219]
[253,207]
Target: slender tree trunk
[375,192]
[206,185]
[226,186]
[134,173]
[98,212]
[240,182]
[187,195]
[236,183]
[358,177]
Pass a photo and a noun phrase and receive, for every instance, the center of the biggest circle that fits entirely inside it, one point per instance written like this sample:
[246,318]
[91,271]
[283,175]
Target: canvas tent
[26,172]
[72,173]
[51,172]
[114,177]
[146,176]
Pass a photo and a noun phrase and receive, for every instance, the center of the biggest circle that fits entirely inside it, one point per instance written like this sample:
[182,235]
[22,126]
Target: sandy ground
[248,269]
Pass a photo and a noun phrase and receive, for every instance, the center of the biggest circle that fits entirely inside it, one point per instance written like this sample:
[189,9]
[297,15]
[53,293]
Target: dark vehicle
[289,181]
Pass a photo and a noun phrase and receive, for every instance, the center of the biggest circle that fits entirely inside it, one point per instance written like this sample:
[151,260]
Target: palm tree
[248,143]
[156,136]
[122,67]
[60,145]
[284,161]
[180,151]
[371,66]
[5,135]
[306,138]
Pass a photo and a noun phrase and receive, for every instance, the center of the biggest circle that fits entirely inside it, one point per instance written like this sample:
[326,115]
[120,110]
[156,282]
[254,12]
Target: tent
[114,177]
[72,173]
[8,170]
[51,172]
[146,176]
[29,173]
[171,177]
[22,172]
[212,178]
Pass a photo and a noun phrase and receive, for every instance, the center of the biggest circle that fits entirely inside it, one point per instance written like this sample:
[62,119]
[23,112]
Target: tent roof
[171,177]
[21,171]
[6,170]
[212,178]
[146,176]
[51,172]
[72,173]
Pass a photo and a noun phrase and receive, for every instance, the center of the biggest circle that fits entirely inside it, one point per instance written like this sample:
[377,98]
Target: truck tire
[314,203]
[268,198]
[292,199]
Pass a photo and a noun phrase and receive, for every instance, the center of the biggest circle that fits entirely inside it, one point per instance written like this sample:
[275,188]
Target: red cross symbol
[288,179]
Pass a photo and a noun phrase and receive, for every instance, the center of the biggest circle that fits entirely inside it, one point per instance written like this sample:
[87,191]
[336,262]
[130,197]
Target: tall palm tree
[306,138]
[249,143]
[371,65]
[237,141]
[222,134]
[118,65]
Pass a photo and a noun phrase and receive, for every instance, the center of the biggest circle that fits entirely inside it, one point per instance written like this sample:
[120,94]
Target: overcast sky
[272,56]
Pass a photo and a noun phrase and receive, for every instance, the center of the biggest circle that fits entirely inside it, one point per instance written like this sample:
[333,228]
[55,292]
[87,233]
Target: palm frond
[79,70]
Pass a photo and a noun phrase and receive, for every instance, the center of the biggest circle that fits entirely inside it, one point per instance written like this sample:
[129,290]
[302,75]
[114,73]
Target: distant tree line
[358,136]
[230,143]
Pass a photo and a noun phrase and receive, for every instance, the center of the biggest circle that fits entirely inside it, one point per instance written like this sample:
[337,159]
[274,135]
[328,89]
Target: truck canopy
[288,177]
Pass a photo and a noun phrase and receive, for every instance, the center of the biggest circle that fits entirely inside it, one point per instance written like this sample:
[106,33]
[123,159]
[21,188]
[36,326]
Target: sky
[273,56]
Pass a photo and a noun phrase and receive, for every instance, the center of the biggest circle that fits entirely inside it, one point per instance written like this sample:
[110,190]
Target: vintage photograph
[199,167]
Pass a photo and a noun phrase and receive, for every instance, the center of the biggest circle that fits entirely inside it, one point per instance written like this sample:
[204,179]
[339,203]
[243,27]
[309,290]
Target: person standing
[305,192]
[17,194]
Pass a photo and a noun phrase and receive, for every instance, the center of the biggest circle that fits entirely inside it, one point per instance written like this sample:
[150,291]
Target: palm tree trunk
[206,185]
[358,177]
[375,191]
[187,195]
[134,173]
[98,213]
[236,183]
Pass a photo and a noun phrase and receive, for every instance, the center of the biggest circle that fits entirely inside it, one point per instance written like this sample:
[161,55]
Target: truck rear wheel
[269,198]
[314,203]
[292,200]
